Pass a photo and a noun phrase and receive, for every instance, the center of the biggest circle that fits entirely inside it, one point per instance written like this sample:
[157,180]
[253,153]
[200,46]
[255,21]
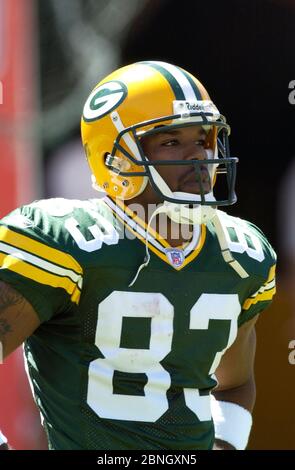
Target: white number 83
[154,403]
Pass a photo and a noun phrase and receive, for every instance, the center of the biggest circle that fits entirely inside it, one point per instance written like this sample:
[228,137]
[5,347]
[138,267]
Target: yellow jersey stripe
[141,238]
[268,295]
[129,221]
[40,262]
[29,271]
[40,249]
[266,291]
[198,248]
[271,274]
[263,288]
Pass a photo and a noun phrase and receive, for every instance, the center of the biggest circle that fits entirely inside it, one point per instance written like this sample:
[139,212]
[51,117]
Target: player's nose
[195,151]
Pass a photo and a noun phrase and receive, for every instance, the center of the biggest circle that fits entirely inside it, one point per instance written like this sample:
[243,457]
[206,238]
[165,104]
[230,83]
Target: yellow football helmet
[144,98]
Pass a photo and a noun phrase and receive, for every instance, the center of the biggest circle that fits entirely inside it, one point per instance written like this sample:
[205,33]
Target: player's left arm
[236,386]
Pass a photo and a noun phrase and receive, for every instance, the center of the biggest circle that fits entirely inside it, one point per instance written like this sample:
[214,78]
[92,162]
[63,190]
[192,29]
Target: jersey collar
[178,258]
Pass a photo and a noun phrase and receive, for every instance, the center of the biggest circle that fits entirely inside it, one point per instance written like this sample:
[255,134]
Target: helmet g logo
[104,99]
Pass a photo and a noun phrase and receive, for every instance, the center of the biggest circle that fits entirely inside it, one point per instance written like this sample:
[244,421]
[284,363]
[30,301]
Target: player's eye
[200,142]
[170,142]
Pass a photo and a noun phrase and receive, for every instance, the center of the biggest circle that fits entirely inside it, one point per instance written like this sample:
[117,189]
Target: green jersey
[122,365]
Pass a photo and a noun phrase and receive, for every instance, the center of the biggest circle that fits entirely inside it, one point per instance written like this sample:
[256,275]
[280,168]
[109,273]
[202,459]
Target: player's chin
[194,187]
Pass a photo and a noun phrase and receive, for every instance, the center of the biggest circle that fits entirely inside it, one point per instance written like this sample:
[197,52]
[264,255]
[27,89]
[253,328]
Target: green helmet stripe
[193,84]
[175,85]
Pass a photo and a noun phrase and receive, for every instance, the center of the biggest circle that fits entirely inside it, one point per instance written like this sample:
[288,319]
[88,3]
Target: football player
[138,309]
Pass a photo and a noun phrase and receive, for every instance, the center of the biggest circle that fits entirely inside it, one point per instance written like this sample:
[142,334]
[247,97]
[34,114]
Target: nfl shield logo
[175,257]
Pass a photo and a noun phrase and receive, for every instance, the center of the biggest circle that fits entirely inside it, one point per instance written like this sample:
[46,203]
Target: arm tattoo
[18,319]
[9,297]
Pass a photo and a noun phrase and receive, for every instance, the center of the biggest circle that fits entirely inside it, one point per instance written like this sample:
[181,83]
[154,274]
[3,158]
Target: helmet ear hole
[105,158]
[110,161]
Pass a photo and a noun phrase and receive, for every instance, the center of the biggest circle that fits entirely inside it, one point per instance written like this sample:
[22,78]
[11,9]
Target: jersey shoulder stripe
[26,243]
[19,266]
[35,260]
[266,291]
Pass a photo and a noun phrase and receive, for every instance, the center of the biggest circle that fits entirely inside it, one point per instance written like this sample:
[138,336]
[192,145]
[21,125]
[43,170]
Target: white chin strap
[182,213]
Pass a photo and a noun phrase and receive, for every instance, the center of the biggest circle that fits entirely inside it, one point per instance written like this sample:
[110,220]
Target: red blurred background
[19,162]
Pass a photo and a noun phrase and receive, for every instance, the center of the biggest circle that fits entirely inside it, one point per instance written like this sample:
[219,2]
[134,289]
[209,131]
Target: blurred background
[52,53]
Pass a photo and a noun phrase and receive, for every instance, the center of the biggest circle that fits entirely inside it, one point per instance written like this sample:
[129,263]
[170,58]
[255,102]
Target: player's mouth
[190,182]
